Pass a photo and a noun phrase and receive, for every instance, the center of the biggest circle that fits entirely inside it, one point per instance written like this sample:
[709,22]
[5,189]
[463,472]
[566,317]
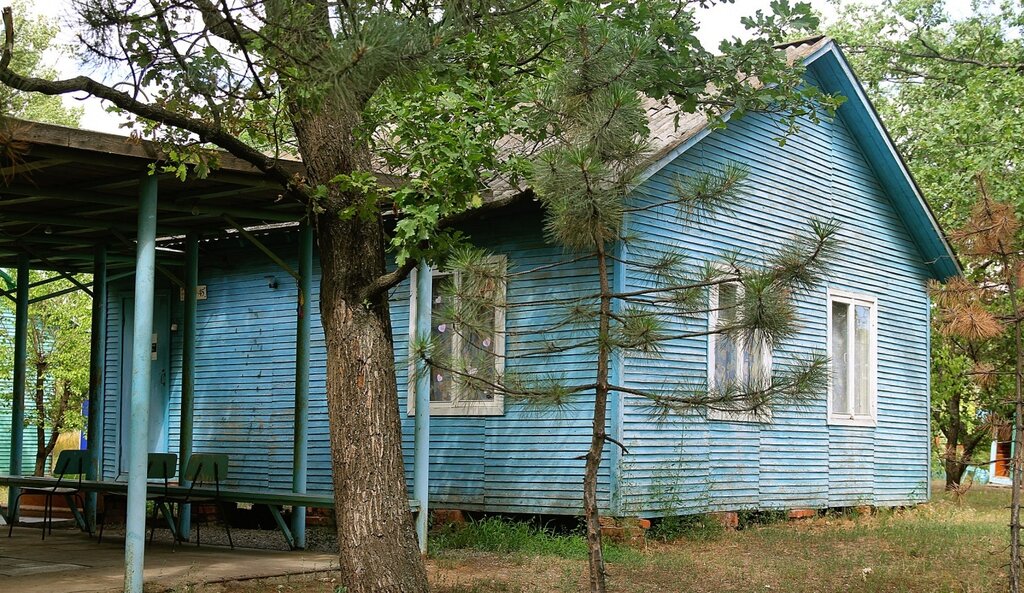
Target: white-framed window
[853,348]
[732,363]
[473,353]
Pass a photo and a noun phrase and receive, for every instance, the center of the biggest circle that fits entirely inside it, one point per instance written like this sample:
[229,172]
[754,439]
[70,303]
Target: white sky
[718,23]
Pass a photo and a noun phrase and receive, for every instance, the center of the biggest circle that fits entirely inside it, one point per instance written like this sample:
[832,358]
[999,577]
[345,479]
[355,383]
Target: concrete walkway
[70,562]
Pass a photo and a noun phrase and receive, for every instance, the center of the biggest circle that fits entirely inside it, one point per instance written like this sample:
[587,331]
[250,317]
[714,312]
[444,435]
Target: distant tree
[969,399]
[990,309]
[32,57]
[58,359]
[948,90]
[582,179]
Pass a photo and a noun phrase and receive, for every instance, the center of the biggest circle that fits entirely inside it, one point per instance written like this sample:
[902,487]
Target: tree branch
[391,279]
[205,131]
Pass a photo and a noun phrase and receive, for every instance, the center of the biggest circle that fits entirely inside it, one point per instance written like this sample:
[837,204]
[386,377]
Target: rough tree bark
[376,533]
[598,434]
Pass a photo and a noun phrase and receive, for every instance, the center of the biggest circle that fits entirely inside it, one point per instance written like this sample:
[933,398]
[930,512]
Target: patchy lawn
[946,546]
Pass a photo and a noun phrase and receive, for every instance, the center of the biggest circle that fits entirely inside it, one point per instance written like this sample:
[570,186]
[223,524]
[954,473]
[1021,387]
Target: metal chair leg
[227,524]
[12,514]
[46,514]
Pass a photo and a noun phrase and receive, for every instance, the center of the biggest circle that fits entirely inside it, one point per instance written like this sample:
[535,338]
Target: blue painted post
[615,401]
[20,362]
[97,354]
[300,451]
[188,372]
[421,451]
[145,278]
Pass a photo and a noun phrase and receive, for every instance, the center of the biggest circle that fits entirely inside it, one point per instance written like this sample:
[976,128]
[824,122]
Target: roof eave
[834,73]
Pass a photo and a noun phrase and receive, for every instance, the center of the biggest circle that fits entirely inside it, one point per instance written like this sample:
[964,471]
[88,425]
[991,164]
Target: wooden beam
[34,193]
[28,167]
[266,250]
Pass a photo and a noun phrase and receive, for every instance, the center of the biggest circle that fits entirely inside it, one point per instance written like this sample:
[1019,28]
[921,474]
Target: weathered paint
[145,270]
[188,373]
[300,437]
[528,459]
[245,357]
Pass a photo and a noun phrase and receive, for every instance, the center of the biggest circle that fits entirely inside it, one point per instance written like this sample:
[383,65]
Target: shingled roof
[668,132]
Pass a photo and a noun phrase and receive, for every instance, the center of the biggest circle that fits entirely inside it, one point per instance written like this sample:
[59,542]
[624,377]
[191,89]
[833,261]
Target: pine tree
[986,308]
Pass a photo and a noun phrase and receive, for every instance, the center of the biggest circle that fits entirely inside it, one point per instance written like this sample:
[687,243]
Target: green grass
[951,545]
[502,536]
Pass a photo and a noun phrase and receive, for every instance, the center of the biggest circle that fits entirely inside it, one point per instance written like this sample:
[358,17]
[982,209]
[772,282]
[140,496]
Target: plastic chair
[70,462]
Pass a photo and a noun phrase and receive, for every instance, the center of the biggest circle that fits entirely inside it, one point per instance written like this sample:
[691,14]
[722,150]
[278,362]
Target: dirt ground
[945,546]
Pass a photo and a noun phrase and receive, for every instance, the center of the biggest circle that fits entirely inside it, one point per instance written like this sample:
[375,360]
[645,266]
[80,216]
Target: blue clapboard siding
[527,459]
[523,461]
[690,464]
[29,447]
[28,455]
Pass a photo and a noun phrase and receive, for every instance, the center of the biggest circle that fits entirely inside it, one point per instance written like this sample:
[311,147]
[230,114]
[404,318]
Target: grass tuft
[696,528]
[503,536]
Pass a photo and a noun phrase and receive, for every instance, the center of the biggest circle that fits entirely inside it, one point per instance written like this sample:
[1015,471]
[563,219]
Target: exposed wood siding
[798,460]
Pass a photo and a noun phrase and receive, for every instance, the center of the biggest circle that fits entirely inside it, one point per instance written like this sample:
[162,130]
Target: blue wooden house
[863,442]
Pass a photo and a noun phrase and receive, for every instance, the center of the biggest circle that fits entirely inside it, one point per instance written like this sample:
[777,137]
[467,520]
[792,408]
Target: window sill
[856,421]
[463,409]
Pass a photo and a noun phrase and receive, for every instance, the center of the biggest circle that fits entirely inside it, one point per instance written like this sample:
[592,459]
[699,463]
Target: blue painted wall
[690,464]
[523,461]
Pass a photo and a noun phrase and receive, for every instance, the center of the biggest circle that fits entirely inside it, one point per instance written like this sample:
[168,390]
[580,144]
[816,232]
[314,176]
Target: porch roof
[63,191]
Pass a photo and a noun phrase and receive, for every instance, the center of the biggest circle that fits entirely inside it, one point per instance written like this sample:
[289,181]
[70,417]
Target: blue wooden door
[159,391]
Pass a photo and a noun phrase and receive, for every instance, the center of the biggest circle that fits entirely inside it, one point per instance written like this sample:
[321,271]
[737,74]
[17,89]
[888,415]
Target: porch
[86,203]
[71,562]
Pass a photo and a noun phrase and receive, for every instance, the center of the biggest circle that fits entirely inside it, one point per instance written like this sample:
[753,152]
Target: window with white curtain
[852,347]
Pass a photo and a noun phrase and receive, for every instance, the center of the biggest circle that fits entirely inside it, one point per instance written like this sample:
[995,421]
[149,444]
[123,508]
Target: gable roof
[823,58]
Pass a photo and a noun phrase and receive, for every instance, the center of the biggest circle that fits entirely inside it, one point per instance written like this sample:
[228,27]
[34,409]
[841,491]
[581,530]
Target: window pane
[477,339]
[440,380]
[840,356]
[755,355]
[479,356]
[727,361]
[862,360]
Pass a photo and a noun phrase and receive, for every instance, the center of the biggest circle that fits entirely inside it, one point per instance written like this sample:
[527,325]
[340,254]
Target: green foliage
[35,39]
[948,88]
[699,528]
[755,518]
[58,352]
[504,536]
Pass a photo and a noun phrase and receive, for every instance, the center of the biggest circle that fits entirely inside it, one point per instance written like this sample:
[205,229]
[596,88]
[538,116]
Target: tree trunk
[39,397]
[955,469]
[377,544]
[1018,442]
[591,511]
